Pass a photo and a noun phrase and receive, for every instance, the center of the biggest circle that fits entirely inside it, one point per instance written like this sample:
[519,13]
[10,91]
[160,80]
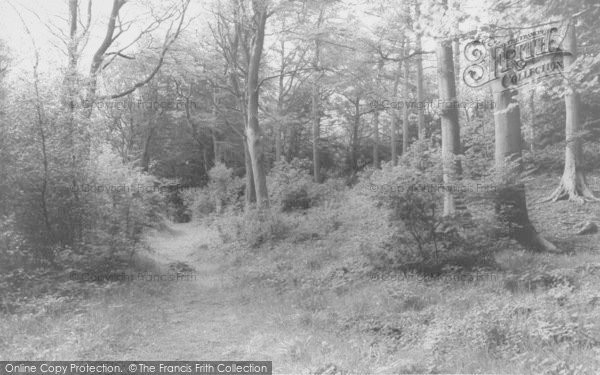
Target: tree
[315,101]
[419,68]
[449,117]
[573,185]
[253,130]
[405,117]
[511,204]
[376,162]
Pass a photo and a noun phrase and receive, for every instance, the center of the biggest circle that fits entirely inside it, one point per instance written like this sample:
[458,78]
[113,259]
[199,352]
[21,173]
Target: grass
[104,326]
[309,300]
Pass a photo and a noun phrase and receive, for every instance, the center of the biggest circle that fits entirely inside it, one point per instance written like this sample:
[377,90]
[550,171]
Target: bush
[295,200]
[177,209]
[421,237]
[289,184]
[199,202]
[223,188]
[253,228]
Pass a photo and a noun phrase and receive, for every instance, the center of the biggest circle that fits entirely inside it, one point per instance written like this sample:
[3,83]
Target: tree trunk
[532,125]
[573,185]
[355,140]
[420,88]
[277,129]
[376,162]
[405,130]
[250,192]
[316,132]
[278,144]
[395,120]
[456,48]
[145,162]
[510,201]
[213,131]
[316,118]
[253,131]
[291,144]
[450,127]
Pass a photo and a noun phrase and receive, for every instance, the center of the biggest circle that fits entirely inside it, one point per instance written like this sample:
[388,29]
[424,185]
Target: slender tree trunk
[250,192]
[213,131]
[532,125]
[573,185]
[316,130]
[278,143]
[291,145]
[511,204]
[47,250]
[253,131]
[405,130]
[145,162]
[420,83]
[376,162]
[450,127]
[316,126]
[355,140]
[395,120]
[278,127]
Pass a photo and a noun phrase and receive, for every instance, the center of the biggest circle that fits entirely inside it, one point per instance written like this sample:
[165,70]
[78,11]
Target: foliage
[223,188]
[253,228]
[421,237]
[289,184]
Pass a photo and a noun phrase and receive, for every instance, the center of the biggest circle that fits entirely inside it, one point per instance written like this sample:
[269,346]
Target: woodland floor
[224,314]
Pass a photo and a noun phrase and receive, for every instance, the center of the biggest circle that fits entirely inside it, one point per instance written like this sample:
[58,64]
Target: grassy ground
[309,300]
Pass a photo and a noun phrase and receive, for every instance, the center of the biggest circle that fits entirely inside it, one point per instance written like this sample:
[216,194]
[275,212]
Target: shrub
[223,188]
[289,184]
[253,228]
[199,202]
[177,209]
[421,237]
[297,199]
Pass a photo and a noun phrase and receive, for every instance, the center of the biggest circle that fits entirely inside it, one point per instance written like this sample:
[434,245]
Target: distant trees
[271,80]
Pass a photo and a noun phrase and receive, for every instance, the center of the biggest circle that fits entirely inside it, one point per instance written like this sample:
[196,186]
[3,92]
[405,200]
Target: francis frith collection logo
[518,60]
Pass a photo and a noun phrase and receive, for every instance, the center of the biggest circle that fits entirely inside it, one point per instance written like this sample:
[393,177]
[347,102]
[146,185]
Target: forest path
[204,316]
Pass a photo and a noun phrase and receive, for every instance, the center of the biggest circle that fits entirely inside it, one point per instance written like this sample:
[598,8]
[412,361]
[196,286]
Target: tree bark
[292,142]
[376,162]
[450,127]
[510,200]
[316,130]
[355,140]
[395,120]
[316,126]
[213,131]
[253,131]
[405,130]
[420,87]
[573,185]
[277,129]
[532,130]
[250,192]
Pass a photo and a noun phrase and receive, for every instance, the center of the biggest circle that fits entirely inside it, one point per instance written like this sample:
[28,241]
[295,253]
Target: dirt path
[213,318]
[205,318]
